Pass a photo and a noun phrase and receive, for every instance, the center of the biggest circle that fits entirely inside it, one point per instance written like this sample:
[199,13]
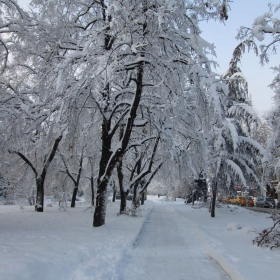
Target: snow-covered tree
[234,155]
[264,130]
[29,109]
[121,56]
[140,49]
[268,25]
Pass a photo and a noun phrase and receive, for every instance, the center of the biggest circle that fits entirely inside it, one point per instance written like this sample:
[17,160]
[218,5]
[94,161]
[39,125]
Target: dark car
[265,202]
[278,204]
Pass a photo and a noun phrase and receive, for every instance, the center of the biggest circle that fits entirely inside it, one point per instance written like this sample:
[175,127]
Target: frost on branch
[270,237]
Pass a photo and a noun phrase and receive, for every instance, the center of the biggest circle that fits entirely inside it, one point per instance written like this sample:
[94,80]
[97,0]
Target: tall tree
[234,154]
[121,55]
[30,117]
[268,25]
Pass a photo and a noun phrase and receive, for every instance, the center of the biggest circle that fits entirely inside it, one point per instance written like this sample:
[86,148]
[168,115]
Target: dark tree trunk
[214,192]
[103,179]
[39,207]
[142,198]
[104,172]
[213,205]
[136,199]
[123,201]
[120,176]
[193,198]
[92,190]
[122,191]
[74,195]
[108,163]
[113,185]
[114,195]
[101,204]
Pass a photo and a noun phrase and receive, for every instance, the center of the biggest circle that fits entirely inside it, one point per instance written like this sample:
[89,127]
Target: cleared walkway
[167,249]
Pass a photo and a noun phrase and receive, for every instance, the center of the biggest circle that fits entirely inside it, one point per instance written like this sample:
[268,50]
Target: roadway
[263,210]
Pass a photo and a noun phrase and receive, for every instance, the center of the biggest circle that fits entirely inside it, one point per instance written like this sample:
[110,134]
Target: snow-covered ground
[170,240]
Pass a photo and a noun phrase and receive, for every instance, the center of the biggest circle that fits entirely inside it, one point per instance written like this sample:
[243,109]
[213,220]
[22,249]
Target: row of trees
[104,92]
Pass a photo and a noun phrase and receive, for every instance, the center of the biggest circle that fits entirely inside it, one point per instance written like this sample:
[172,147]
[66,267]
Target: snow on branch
[248,170]
[233,132]
[140,142]
[236,170]
[253,143]
[26,160]
[118,122]
[243,109]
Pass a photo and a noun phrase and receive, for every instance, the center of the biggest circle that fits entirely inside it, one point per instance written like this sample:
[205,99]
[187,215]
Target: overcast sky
[243,12]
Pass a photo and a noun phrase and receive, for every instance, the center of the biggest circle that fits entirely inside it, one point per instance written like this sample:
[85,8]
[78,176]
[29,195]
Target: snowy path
[167,249]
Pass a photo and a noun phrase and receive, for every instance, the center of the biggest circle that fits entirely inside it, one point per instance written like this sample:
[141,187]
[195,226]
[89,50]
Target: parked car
[265,202]
[278,204]
[233,200]
[242,201]
[238,198]
[226,200]
[251,201]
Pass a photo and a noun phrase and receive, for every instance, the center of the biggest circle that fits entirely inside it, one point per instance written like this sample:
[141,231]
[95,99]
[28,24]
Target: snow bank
[64,245]
[219,258]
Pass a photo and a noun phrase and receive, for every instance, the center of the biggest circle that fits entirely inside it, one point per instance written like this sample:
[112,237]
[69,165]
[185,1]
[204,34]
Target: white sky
[242,13]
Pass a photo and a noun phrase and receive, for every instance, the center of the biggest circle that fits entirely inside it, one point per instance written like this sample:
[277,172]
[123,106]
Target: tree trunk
[123,201]
[101,204]
[214,191]
[92,190]
[114,195]
[105,172]
[142,198]
[74,195]
[193,198]
[122,191]
[136,199]
[39,207]
[107,163]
